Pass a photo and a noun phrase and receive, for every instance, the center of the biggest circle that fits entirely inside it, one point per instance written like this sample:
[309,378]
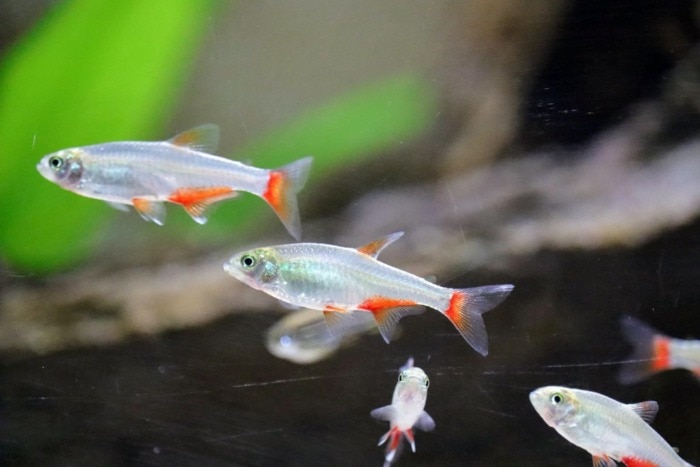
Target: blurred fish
[609,430]
[338,280]
[179,170]
[303,337]
[654,352]
[406,410]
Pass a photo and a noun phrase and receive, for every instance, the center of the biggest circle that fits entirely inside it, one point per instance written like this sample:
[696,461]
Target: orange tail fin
[283,185]
[467,306]
[650,355]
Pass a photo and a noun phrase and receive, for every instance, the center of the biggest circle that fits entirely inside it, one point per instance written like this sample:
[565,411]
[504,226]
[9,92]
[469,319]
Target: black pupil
[248,261]
[556,398]
[55,162]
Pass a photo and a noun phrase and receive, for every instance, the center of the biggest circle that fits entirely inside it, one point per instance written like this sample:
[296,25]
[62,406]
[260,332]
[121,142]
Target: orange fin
[375,247]
[150,210]
[204,138]
[646,410]
[650,355]
[388,311]
[465,310]
[196,200]
[408,434]
[283,184]
[636,462]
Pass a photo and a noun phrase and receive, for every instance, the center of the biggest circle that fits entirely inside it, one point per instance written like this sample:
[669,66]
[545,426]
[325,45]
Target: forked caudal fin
[465,310]
[650,355]
[282,186]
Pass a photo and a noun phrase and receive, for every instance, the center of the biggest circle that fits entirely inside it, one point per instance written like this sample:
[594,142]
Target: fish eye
[426,382]
[556,398]
[402,377]
[248,261]
[55,162]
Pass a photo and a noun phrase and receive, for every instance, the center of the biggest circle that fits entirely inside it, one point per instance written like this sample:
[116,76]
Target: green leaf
[91,71]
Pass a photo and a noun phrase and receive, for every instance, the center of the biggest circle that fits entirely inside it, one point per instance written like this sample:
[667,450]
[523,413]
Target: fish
[609,430]
[302,337]
[406,411]
[180,170]
[338,280]
[655,352]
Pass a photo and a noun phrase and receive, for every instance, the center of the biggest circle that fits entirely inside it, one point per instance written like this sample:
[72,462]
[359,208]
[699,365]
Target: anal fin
[196,200]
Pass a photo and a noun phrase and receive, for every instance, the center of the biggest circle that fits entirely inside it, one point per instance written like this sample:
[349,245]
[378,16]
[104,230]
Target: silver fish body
[406,410]
[337,280]
[609,430]
[147,174]
[303,337]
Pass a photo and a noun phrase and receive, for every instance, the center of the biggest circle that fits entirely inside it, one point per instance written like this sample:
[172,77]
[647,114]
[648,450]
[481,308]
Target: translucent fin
[196,200]
[603,461]
[465,310]
[283,184]
[387,313]
[646,410]
[203,138]
[643,362]
[394,437]
[375,247]
[388,412]
[118,206]
[408,434]
[150,210]
[425,422]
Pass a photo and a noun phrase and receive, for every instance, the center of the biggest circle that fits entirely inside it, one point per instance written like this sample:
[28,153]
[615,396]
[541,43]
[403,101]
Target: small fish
[179,170]
[338,280]
[406,410]
[609,430]
[654,352]
[302,337]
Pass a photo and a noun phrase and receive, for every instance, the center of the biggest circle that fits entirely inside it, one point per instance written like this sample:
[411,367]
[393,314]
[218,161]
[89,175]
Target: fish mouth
[44,170]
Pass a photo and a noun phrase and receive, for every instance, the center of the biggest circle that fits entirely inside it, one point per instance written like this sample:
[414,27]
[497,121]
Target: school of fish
[346,290]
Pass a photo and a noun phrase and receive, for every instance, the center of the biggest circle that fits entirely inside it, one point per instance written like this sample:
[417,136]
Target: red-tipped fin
[375,247]
[466,307]
[408,434]
[646,410]
[204,138]
[394,437]
[196,200]
[283,184]
[650,355]
[153,211]
[388,311]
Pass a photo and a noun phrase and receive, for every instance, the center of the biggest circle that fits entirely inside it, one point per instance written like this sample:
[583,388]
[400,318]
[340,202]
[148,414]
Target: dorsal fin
[203,138]
[647,410]
[375,247]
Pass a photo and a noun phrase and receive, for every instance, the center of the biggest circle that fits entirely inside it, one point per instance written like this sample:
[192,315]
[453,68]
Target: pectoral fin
[425,422]
[388,412]
[150,210]
[603,461]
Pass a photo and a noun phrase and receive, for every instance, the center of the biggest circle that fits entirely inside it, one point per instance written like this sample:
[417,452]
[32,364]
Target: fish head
[412,387]
[558,406]
[64,168]
[257,268]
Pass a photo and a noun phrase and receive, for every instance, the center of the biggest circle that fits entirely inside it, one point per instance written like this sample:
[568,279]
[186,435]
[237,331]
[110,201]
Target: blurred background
[550,144]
